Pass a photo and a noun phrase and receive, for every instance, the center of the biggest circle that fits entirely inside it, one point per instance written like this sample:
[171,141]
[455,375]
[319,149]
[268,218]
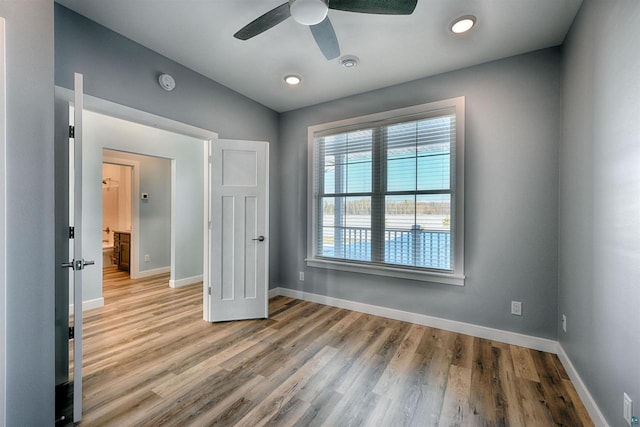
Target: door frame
[119,111]
[135,207]
[3,240]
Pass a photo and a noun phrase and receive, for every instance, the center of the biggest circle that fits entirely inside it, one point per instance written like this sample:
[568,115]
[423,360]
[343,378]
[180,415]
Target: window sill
[388,271]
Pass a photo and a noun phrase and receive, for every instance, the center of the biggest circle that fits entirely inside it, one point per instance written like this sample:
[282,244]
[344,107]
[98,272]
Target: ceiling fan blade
[326,38]
[264,22]
[380,7]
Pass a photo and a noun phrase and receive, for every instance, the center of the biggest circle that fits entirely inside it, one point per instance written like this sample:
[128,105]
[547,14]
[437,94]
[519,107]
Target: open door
[77,264]
[237,247]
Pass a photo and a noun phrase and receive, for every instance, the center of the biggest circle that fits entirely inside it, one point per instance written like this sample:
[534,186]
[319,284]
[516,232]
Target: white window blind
[384,192]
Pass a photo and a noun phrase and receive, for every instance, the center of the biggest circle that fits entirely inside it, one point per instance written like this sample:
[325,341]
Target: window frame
[387,118]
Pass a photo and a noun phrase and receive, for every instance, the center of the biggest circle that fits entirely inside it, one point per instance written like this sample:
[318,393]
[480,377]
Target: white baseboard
[514,338]
[152,272]
[274,292]
[593,409]
[185,282]
[90,304]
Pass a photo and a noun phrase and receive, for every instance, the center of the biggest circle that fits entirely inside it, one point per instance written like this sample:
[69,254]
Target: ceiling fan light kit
[308,12]
[313,13]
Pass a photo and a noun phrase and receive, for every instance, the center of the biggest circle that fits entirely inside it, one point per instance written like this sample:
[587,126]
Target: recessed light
[349,61]
[462,24]
[292,79]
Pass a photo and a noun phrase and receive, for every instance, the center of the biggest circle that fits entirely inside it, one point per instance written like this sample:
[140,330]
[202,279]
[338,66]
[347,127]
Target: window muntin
[385,191]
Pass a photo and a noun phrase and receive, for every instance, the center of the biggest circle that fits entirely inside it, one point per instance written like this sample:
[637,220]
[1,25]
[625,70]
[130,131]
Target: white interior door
[237,247]
[77,263]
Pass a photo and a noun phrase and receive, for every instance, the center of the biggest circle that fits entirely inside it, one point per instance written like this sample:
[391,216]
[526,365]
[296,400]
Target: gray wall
[119,70]
[155,212]
[511,198]
[599,272]
[29,213]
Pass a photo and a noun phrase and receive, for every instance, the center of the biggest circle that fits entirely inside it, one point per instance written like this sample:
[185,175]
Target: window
[386,193]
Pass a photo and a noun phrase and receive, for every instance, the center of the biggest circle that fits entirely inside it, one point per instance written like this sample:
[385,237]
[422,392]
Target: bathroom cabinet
[122,249]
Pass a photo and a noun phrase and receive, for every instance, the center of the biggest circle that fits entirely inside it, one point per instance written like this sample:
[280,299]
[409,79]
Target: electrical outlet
[147,258]
[564,323]
[627,408]
[516,308]
[301,276]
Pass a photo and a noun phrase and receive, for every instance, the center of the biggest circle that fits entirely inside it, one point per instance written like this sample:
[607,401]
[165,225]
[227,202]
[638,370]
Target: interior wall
[154,212]
[29,345]
[511,196]
[122,71]
[102,132]
[599,272]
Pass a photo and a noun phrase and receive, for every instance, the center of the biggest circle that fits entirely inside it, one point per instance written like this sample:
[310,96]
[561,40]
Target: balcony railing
[415,247]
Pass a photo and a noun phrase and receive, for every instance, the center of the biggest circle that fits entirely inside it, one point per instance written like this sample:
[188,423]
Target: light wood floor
[150,360]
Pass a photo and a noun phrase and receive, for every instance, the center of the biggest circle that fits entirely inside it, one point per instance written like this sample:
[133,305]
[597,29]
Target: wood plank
[482,400]
[523,363]
[283,393]
[557,398]
[507,376]
[394,374]
[455,409]
[535,411]
[462,351]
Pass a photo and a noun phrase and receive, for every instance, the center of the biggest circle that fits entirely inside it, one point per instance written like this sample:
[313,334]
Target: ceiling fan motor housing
[308,12]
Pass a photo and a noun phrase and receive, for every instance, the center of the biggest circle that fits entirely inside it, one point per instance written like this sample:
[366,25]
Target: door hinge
[209,291]
[72,131]
[209,158]
[72,332]
[72,232]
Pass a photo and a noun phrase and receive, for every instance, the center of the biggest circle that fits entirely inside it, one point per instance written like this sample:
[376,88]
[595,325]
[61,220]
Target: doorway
[137,213]
[190,154]
[116,215]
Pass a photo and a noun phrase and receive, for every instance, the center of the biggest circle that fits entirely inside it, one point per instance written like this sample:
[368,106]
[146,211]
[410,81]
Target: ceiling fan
[313,13]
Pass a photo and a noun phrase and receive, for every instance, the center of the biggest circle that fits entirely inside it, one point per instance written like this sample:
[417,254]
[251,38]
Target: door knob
[259,239]
[77,265]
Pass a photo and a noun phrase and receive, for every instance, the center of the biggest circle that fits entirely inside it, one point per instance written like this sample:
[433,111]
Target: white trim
[3,218]
[185,282]
[206,250]
[123,112]
[388,271]
[152,272]
[173,192]
[589,402]
[274,292]
[514,338]
[90,304]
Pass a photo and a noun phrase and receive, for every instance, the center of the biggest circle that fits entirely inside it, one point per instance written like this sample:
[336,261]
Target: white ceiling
[391,49]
